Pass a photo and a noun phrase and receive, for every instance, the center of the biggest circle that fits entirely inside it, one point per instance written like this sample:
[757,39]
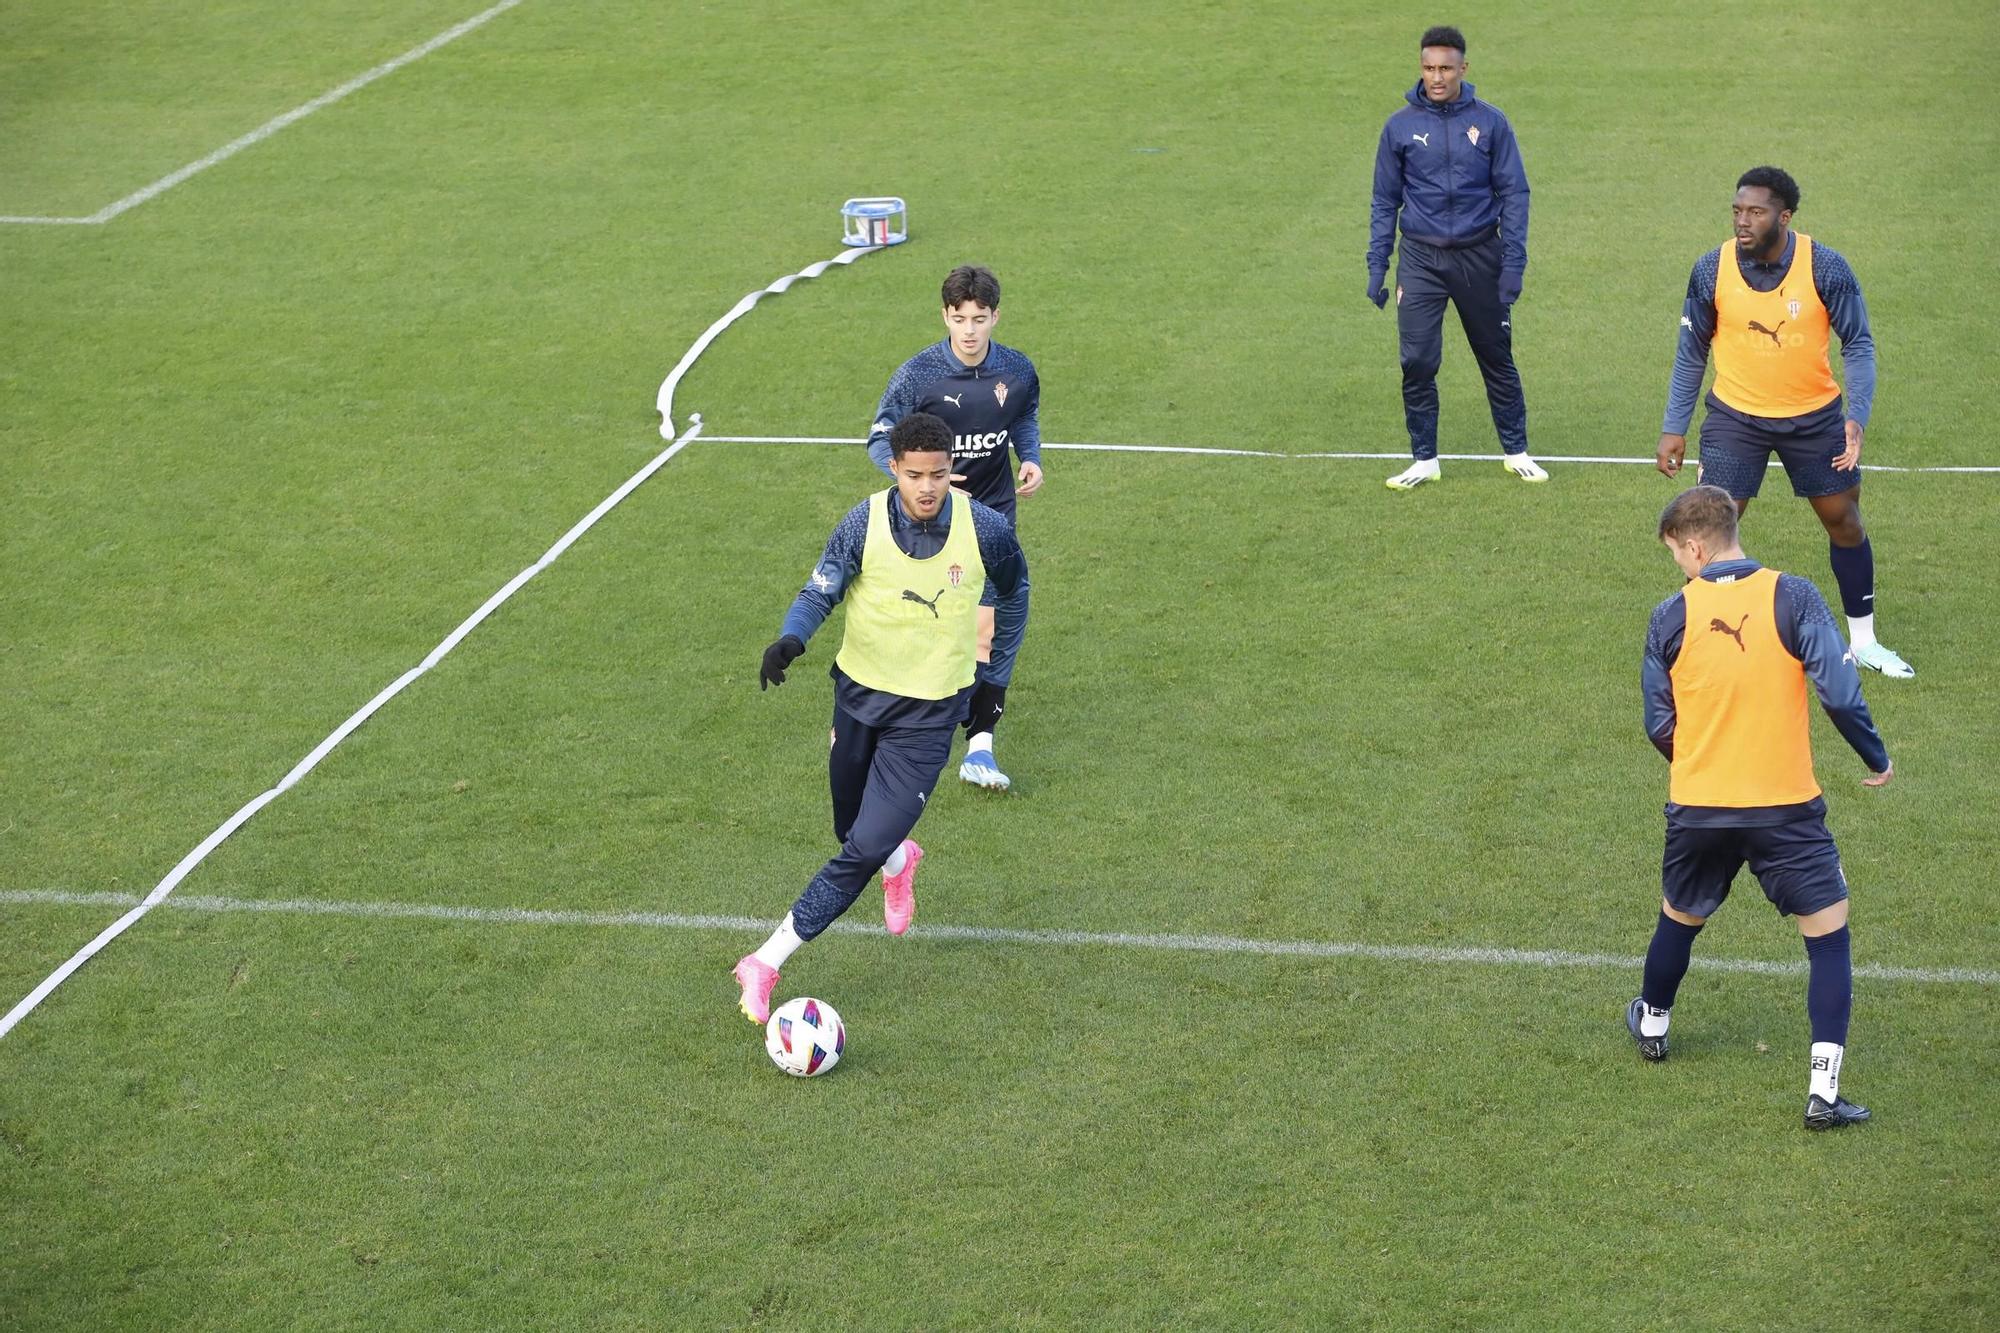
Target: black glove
[1378,292]
[776,658]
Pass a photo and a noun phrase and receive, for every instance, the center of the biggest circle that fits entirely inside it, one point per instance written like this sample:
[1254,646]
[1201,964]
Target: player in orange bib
[1767,304]
[1728,659]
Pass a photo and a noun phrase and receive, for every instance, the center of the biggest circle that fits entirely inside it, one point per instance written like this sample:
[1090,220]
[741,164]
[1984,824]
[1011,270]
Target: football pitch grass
[272,434]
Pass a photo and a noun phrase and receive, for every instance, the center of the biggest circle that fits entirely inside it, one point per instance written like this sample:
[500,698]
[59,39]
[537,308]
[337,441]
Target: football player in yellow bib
[1766,304]
[911,563]
[1725,674]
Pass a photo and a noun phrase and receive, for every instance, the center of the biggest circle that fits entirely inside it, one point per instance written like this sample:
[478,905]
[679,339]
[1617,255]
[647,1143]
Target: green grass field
[270,436]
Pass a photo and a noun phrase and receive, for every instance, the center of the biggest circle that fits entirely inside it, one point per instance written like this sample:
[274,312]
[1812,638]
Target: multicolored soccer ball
[805,1037]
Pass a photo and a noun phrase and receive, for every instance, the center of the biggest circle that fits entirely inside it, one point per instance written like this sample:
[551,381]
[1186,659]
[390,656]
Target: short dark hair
[971,282]
[1775,179]
[1700,511]
[919,433]
[1443,35]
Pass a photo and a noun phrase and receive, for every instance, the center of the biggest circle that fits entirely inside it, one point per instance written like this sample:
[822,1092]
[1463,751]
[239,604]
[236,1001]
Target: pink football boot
[899,892]
[757,979]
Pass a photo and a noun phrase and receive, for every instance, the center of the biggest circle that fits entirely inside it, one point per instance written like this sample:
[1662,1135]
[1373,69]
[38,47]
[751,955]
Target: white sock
[1861,630]
[1422,466]
[1826,1071]
[1653,1022]
[897,860]
[979,740]
[784,942]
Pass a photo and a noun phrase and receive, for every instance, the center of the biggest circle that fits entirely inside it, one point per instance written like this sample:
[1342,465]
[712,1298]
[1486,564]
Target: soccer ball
[805,1037]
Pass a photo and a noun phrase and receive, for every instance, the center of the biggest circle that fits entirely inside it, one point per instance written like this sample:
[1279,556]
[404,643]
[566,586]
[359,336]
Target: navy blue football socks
[1830,986]
[1854,571]
[1667,962]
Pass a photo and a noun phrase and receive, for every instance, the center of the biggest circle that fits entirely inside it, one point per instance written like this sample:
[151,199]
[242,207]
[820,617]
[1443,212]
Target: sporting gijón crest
[956,573]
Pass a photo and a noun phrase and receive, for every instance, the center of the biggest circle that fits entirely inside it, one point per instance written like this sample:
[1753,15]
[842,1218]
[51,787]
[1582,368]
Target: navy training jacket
[1453,171]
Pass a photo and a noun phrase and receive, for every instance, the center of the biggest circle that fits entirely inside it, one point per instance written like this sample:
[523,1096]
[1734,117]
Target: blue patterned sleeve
[1028,429]
[1840,292]
[905,391]
[1806,628]
[1007,572]
[1691,352]
[1656,682]
[827,583]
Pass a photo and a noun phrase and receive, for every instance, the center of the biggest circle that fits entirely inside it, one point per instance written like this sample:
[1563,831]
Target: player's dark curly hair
[1775,179]
[1443,35]
[919,433]
[1700,511]
[971,282]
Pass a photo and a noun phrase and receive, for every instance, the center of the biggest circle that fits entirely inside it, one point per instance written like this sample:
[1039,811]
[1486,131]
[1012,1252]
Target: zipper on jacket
[1450,184]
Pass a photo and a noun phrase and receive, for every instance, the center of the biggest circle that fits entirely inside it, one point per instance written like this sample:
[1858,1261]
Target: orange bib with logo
[1741,735]
[1771,347]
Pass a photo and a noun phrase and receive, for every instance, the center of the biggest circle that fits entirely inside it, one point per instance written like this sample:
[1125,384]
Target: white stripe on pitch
[276,123]
[1211,452]
[1398,953]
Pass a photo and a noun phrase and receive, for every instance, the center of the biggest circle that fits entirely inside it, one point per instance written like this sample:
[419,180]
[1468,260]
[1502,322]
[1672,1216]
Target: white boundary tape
[471,622]
[665,400]
[1274,453]
[272,126]
[1229,944]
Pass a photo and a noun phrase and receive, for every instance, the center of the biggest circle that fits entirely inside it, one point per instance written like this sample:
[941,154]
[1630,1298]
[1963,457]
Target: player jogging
[988,395]
[1725,671]
[910,562]
[1766,304]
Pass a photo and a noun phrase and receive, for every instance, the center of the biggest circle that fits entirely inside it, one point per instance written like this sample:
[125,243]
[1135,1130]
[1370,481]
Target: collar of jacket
[1734,567]
[900,521]
[1778,265]
[1415,97]
[978,371]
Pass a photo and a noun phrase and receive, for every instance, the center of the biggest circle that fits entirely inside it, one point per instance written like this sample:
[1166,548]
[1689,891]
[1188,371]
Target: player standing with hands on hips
[989,396]
[1448,173]
[1724,675]
[1766,303]
[911,563]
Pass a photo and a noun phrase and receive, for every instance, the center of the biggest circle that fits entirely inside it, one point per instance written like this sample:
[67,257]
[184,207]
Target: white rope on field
[451,641]
[665,401]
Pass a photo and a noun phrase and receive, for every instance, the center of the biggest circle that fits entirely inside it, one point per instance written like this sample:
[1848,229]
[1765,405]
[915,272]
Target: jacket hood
[1415,97]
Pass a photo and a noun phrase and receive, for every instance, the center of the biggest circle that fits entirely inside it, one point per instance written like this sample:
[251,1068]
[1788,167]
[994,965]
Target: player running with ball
[911,562]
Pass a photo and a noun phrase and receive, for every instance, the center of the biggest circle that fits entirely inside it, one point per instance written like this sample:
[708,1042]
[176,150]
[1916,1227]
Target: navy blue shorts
[1734,455]
[1796,863]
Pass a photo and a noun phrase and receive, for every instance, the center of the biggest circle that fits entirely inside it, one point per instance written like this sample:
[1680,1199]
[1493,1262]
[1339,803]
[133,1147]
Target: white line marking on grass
[47,222]
[1210,452]
[272,126]
[1442,955]
[306,765]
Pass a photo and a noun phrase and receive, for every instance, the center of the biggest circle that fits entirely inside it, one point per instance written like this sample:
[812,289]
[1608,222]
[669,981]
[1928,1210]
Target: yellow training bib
[913,625]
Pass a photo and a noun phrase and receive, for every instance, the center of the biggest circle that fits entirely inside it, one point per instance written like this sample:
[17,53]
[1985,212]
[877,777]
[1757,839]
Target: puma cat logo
[952,398]
[932,602]
[1423,139]
[1715,624]
[1772,334]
